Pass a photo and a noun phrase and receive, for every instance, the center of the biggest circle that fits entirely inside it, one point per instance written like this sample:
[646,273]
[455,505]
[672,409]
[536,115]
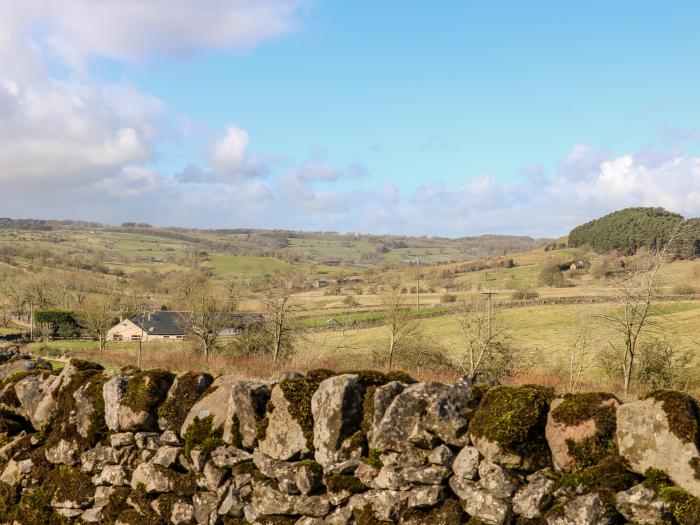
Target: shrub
[448,298]
[349,300]
[524,295]
[552,276]
[684,289]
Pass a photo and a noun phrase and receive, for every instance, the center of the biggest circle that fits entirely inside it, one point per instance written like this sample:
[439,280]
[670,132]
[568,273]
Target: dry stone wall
[137,447]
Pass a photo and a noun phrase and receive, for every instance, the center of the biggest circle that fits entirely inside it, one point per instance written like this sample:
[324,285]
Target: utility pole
[31,320]
[489,294]
[418,283]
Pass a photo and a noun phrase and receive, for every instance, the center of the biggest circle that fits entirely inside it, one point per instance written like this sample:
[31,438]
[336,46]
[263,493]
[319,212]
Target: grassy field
[543,334]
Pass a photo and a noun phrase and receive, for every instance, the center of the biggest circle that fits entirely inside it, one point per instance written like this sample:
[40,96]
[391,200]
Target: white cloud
[134,30]
[229,159]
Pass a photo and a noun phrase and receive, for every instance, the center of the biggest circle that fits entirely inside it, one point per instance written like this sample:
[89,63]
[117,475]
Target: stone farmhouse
[166,325]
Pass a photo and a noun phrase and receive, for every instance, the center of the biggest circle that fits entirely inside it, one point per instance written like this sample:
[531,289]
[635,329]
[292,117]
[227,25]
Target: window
[135,337]
[116,337]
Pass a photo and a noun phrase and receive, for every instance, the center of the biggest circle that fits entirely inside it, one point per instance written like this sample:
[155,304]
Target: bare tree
[278,307]
[484,334]
[16,296]
[578,355]
[97,317]
[634,297]
[206,313]
[398,315]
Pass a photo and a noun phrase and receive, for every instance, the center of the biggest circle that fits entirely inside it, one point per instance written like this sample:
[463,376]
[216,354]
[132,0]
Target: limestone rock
[647,438]
[308,478]
[643,506]
[466,464]
[386,505]
[205,507]
[65,452]
[480,503]
[577,418]
[588,509]
[534,497]
[246,409]
[497,480]
[214,404]
[442,455]
[383,396]
[151,477]
[229,457]
[114,475]
[402,423]
[34,394]
[337,411]
[425,496]
[182,513]
[186,389]
[268,501]
[166,456]
[447,415]
[113,392]
[284,438]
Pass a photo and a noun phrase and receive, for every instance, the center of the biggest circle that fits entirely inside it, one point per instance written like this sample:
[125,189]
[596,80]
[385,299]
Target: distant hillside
[632,228]
[347,249]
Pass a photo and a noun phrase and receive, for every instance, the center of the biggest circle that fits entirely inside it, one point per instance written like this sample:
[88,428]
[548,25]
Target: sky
[448,118]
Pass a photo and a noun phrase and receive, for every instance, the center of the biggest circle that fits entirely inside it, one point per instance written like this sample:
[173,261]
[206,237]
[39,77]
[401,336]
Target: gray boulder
[246,408]
[588,509]
[480,503]
[534,497]
[214,404]
[643,506]
[648,437]
[284,438]
[402,423]
[337,411]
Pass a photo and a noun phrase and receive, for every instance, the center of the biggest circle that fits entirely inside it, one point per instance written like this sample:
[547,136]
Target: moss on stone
[656,479]
[182,485]
[276,520]
[64,426]
[298,394]
[373,459]
[115,504]
[69,484]
[685,507]
[576,409]
[449,512]
[83,365]
[365,516]
[201,435]
[591,450]
[236,437]
[187,390]
[9,496]
[341,482]
[609,476]
[681,411]
[515,418]
[248,468]
[146,390]
[368,409]
[401,376]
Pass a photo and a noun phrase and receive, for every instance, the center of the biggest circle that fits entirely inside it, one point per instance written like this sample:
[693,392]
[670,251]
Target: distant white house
[166,325]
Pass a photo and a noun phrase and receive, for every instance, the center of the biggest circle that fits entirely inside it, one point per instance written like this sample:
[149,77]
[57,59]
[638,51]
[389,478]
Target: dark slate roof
[166,322]
[160,322]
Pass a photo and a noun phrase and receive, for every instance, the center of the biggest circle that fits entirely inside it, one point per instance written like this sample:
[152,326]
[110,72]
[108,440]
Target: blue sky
[450,118]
